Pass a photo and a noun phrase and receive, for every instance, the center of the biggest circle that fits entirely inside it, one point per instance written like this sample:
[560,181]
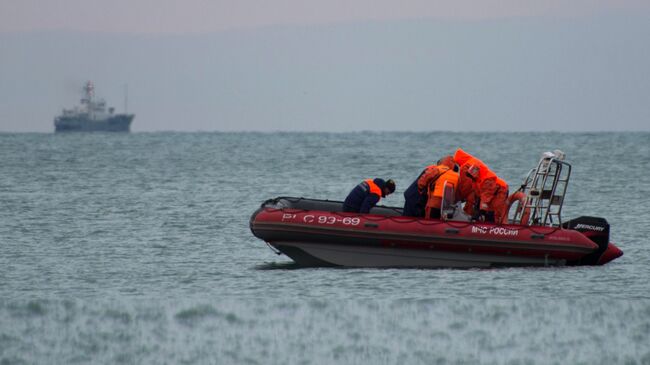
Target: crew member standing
[367,194]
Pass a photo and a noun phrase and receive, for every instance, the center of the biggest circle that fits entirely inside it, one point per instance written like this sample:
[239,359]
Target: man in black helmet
[367,194]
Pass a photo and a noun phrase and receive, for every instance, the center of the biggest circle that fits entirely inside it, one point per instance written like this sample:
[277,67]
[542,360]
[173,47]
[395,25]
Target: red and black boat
[317,233]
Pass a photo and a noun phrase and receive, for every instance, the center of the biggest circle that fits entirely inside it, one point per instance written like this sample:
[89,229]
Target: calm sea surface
[135,249]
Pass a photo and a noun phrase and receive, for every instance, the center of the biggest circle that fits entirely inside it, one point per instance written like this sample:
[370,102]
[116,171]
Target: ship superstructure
[92,115]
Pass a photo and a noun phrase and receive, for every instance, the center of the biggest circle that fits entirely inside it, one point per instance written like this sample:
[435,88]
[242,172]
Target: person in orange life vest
[433,180]
[466,191]
[415,196]
[367,194]
[490,191]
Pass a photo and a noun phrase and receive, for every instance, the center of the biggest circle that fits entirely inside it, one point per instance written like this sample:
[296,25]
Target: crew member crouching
[367,194]
[433,181]
[488,190]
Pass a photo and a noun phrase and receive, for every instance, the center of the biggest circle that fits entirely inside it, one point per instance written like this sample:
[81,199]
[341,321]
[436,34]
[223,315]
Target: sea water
[136,249]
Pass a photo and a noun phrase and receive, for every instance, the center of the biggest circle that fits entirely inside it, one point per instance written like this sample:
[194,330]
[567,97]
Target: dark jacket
[361,199]
[414,200]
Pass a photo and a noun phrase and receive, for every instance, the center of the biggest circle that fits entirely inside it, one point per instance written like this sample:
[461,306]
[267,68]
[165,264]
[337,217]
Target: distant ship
[91,116]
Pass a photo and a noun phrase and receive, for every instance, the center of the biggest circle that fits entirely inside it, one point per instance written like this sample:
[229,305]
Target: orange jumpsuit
[465,192]
[486,186]
[494,196]
[500,202]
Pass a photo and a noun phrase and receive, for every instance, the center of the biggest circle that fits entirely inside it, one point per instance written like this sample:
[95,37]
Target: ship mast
[89,91]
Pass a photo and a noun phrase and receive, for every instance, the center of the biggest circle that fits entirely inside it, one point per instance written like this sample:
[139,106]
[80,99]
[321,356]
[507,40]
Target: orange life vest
[374,189]
[447,175]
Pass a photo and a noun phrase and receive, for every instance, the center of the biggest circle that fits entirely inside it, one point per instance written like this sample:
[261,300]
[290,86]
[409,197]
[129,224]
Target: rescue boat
[315,232]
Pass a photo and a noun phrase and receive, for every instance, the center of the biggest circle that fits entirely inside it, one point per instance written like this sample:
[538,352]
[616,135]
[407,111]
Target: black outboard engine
[594,228]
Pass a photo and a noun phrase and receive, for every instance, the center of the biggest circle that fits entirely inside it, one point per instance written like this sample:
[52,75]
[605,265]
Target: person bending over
[367,194]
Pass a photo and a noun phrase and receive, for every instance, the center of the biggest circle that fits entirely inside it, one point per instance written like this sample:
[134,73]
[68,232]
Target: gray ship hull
[115,123]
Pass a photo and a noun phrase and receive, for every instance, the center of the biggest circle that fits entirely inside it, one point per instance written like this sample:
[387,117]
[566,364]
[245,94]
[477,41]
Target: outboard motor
[594,228]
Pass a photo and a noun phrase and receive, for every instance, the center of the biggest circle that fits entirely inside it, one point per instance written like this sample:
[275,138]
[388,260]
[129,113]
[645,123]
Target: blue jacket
[360,199]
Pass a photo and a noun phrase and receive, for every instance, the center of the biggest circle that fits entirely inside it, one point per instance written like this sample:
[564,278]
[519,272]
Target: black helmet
[390,186]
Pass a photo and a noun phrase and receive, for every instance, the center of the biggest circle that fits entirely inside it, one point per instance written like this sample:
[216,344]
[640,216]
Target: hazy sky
[331,65]
[176,16]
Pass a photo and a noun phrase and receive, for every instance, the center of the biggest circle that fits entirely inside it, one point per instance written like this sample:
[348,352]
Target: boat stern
[597,230]
[611,253]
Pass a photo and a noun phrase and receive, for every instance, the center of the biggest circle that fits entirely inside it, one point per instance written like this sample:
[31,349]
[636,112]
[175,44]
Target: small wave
[12,361]
[30,309]
[118,316]
[193,315]
[278,266]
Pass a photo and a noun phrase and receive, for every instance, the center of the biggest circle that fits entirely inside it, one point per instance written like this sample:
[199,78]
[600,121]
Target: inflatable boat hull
[317,233]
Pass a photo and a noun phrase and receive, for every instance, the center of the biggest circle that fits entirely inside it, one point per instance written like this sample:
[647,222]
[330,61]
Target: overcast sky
[331,65]
[176,16]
